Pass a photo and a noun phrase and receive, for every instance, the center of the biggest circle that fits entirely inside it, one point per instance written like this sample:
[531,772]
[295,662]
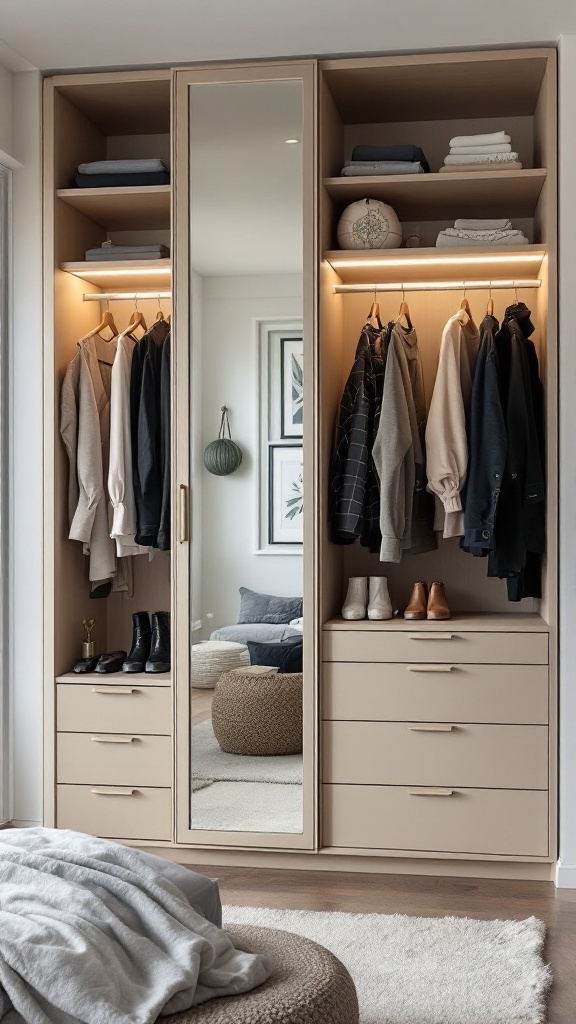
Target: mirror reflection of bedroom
[247,457]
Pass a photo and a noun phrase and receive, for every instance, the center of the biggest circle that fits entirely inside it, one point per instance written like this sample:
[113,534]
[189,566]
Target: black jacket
[164,530]
[487,445]
[519,534]
[354,484]
[146,417]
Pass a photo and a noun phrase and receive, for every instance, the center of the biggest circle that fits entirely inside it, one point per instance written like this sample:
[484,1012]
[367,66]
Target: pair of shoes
[372,594]
[150,651]
[111,662]
[424,605]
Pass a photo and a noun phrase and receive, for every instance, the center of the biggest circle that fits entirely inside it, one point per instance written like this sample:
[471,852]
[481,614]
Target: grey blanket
[95,932]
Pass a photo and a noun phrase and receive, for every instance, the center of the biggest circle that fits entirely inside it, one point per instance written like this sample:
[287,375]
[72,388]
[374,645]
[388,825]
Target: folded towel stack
[372,160]
[480,232]
[482,152]
[109,253]
[122,173]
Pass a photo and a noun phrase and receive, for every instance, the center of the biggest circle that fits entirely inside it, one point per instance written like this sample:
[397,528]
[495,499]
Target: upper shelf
[378,266]
[119,274]
[446,196]
[122,209]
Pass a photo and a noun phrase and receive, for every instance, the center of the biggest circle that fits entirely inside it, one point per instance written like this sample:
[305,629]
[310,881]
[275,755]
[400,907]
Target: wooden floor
[419,895]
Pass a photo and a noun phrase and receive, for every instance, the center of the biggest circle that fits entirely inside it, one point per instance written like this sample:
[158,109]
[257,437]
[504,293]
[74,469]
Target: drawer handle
[431,792]
[431,727]
[430,668]
[431,636]
[114,689]
[114,739]
[112,791]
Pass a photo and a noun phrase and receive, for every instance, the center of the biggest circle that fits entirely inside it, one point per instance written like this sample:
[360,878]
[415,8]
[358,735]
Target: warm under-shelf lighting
[128,272]
[436,261]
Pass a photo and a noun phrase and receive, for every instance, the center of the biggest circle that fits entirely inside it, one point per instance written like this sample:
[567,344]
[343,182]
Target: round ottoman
[213,657]
[258,715]
[308,985]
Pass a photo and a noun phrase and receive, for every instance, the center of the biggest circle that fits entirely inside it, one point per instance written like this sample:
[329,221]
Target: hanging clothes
[354,486]
[165,448]
[120,483]
[519,533]
[146,415]
[446,436]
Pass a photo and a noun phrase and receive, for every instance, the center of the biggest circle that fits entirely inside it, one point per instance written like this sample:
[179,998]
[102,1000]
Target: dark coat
[146,417]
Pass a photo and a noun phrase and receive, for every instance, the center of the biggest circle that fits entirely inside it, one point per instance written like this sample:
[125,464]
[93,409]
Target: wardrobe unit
[428,747]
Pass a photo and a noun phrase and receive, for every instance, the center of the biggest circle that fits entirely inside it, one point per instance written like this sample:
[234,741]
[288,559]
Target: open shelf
[379,266]
[122,209]
[446,196]
[119,274]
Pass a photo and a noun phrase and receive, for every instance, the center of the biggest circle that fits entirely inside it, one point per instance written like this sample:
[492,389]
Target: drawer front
[435,754]
[514,694]
[116,813]
[114,708]
[499,822]
[447,645]
[114,759]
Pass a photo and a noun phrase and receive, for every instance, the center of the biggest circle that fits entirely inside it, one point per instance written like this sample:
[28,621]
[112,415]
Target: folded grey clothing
[129,250]
[122,180]
[445,241]
[489,139]
[496,233]
[499,147]
[404,153]
[476,158]
[354,168]
[475,224]
[514,165]
[104,256]
[122,167]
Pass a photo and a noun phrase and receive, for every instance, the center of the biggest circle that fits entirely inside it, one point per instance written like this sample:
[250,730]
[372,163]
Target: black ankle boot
[159,660]
[141,640]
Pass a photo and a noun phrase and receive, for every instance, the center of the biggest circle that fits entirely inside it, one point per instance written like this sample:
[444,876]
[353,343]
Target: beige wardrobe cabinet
[428,747]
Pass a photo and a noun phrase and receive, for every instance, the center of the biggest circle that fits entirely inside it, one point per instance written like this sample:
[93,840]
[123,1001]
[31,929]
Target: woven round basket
[258,715]
[212,658]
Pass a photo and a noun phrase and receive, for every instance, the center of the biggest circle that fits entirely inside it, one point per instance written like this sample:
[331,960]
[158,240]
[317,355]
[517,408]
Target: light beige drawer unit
[515,694]
[448,645]
[128,707]
[116,812]
[474,822]
[436,754]
[117,759]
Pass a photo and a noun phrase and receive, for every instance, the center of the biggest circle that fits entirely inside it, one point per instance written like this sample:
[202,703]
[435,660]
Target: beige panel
[117,708]
[472,821]
[513,694]
[446,645]
[115,812]
[114,759]
[436,754]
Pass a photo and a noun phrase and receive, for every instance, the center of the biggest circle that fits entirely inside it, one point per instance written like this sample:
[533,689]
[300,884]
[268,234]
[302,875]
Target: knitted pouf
[258,715]
[212,658]
[308,985]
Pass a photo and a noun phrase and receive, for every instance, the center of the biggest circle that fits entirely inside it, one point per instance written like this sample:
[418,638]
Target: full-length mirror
[246,359]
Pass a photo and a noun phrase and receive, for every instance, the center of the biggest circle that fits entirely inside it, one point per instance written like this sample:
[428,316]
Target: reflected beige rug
[428,970]
[248,807]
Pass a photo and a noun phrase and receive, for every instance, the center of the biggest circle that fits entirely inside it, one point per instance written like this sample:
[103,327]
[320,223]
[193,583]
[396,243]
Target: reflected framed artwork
[291,387]
[286,494]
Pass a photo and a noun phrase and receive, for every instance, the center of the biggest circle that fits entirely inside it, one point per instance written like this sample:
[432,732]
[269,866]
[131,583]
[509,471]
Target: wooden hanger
[159,315]
[404,312]
[465,313]
[374,314]
[107,321]
[490,305]
[136,320]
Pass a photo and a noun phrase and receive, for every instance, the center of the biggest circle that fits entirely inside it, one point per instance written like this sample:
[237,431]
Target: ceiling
[71,34]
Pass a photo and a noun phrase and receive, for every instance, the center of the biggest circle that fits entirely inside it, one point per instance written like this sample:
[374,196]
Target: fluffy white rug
[428,970]
[211,763]
[248,807]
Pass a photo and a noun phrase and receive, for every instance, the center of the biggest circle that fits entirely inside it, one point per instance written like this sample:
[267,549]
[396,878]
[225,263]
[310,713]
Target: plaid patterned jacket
[354,484]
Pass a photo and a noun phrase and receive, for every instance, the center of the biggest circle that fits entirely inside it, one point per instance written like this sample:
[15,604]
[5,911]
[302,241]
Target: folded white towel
[500,147]
[491,139]
[472,224]
[514,165]
[481,236]
[445,241]
[488,158]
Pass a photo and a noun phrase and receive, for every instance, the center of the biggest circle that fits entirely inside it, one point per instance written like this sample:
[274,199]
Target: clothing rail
[126,296]
[432,286]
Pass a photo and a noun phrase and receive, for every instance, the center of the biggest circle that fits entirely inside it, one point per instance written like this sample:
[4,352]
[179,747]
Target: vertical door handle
[184,533]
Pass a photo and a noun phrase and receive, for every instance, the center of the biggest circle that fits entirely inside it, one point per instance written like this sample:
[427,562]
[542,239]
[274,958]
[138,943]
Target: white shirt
[120,482]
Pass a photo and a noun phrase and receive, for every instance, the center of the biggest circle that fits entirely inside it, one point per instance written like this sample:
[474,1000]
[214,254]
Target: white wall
[6,117]
[230,504]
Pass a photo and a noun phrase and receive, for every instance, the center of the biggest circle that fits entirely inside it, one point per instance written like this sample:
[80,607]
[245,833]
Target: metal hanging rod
[433,286]
[125,296]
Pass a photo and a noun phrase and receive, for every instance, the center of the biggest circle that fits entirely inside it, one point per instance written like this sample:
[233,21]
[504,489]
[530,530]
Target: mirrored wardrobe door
[245,632]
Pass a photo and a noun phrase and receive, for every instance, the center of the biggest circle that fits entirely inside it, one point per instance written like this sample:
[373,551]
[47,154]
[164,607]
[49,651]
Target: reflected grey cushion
[267,608]
[262,632]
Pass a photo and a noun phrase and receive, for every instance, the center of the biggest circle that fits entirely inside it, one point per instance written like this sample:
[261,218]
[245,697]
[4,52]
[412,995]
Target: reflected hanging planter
[223,456]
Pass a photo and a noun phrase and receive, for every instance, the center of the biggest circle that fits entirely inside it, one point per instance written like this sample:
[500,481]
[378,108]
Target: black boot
[141,640]
[159,660]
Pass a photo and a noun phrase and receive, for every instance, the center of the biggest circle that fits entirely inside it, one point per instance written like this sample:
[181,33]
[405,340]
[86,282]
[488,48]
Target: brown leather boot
[416,607]
[437,603]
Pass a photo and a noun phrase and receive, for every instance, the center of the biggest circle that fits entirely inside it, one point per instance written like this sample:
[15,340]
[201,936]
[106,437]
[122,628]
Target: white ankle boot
[354,606]
[379,603]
